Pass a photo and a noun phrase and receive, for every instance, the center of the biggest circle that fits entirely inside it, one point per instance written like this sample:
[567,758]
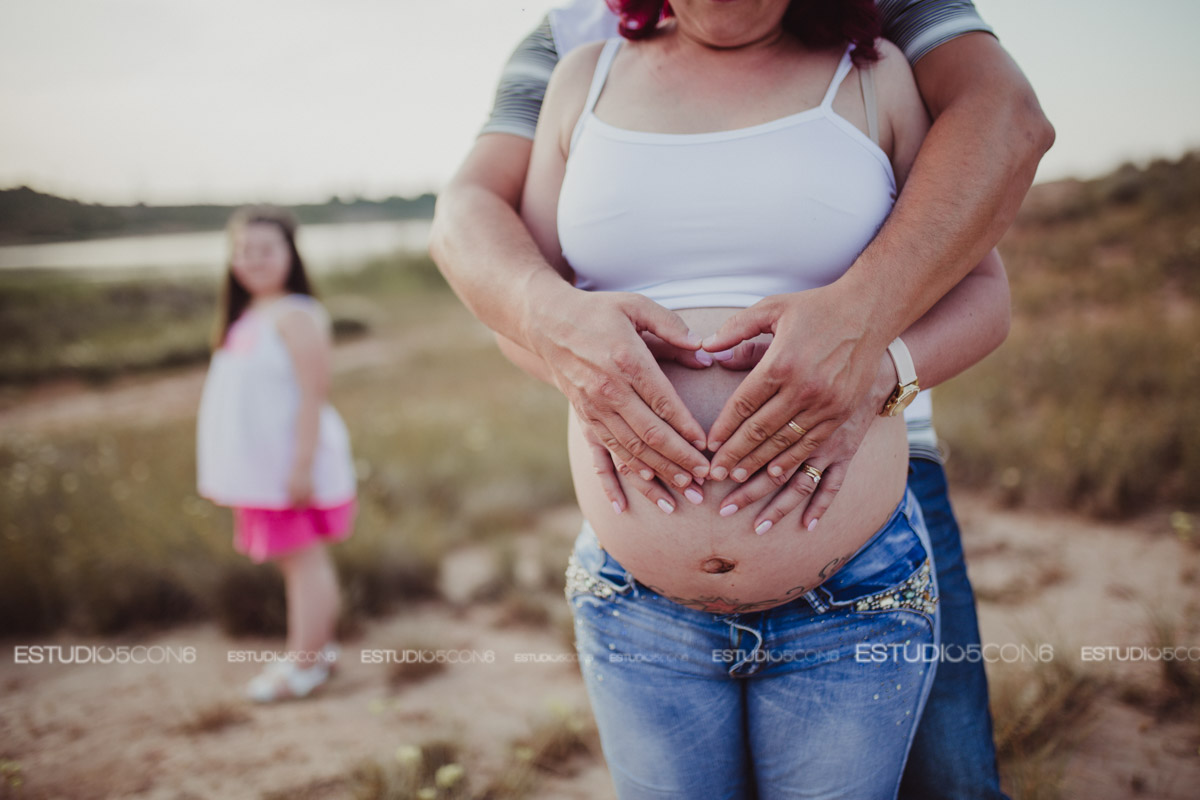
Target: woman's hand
[814,374]
[299,486]
[591,343]
[653,489]
[796,489]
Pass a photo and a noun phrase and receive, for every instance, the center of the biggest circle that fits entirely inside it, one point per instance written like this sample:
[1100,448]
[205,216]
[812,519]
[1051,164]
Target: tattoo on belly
[718,604]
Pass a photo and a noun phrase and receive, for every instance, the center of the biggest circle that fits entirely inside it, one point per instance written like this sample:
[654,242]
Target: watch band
[906,371]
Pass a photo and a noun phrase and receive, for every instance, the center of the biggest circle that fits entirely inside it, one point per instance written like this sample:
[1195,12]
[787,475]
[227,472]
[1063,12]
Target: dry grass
[1090,404]
[101,531]
[1040,714]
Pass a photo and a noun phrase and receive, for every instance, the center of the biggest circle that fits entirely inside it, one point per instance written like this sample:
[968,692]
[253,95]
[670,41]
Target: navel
[718,565]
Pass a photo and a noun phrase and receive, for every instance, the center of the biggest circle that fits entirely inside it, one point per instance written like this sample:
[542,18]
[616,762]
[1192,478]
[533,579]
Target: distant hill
[28,216]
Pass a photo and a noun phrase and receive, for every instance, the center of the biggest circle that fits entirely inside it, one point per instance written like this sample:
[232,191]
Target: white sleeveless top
[246,429]
[724,218]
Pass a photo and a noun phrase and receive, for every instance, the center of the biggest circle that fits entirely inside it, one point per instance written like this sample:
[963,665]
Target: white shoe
[283,680]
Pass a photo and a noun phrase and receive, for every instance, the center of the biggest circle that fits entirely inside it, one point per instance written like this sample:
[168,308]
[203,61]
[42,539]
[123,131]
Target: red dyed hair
[819,24]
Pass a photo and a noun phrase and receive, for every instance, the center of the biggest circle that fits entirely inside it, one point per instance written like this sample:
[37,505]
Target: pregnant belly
[698,558]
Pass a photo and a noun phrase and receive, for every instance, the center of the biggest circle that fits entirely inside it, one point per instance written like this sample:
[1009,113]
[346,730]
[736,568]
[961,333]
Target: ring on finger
[799,431]
[812,472]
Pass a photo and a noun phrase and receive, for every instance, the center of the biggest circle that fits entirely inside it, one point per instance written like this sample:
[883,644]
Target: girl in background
[270,446]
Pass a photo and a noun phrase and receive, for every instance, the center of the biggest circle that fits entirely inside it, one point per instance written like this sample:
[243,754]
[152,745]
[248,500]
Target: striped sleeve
[523,84]
[918,26]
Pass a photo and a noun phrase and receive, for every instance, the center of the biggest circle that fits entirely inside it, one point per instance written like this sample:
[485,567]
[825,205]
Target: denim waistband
[893,553]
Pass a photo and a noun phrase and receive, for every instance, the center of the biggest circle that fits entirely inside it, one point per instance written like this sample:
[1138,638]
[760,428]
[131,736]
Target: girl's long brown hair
[234,298]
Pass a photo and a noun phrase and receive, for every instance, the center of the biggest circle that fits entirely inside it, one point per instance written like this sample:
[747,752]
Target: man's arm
[591,345]
[971,172]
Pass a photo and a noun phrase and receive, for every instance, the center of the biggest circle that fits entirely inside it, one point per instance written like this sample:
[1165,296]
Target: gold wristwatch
[906,386]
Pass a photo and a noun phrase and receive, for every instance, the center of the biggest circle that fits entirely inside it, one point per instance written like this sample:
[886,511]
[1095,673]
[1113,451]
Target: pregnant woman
[710,161]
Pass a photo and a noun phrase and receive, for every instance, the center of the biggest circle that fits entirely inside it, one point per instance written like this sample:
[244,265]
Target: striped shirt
[915,26]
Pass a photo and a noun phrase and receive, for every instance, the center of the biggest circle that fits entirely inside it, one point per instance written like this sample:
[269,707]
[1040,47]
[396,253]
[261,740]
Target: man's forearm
[481,244]
[971,174]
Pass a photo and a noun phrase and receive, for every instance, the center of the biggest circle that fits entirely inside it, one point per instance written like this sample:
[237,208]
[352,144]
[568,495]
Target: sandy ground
[138,730]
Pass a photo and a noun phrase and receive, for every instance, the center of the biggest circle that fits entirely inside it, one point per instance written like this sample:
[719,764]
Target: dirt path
[181,731]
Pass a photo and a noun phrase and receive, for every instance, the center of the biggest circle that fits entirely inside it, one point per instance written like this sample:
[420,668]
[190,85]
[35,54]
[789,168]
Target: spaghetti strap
[603,65]
[839,75]
[866,76]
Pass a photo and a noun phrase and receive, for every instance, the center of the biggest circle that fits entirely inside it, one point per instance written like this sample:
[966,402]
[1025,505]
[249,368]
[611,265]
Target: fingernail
[693,337]
[723,355]
[666,506]
[700,481]
[699,444]
[646,475]
[682,480]
[700,472]
[775,470]
[740,474]
[812,526]
[719,473]
[694,495]
[616,507]
[708,341]
[714,446]
[763,527]
[704,358]
[729,510]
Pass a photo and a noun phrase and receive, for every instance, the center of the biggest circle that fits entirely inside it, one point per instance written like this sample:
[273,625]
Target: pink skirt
[263,534]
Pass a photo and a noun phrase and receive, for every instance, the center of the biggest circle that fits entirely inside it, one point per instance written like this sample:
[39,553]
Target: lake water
[326,248]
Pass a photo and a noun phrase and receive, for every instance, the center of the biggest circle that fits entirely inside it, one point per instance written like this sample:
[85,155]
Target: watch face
[901,400]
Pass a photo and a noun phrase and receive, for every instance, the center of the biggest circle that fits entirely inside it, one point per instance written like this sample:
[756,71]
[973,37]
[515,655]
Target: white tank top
[723,218]
[246,428]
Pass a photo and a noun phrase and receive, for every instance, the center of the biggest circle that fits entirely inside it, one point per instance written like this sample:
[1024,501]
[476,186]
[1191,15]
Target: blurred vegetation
[101,530]
[1091,403]
[56,323]
[27,216]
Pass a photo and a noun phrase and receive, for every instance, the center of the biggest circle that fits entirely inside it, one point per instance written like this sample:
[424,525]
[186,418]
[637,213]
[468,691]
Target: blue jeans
[953,756]
[816,698]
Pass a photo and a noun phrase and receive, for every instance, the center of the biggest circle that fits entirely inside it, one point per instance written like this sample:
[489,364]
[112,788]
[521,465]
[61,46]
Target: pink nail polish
[723,355]
[763,527]
[729,510]
[665,506]
[647,475]
[704,358]
[694,496]
[812,526]
[616,506]
[740,474]
[719,473]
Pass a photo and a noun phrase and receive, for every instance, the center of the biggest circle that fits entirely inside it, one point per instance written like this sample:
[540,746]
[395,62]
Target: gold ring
[801,431]
[812,472]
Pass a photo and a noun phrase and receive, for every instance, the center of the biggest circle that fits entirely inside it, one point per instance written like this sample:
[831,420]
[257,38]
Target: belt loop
[817,604]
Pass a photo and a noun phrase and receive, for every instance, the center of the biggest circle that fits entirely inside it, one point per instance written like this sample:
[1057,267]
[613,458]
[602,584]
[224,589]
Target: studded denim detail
[915,594]
[580,580]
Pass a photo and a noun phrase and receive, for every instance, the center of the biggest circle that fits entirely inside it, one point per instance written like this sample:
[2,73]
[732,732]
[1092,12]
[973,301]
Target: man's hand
[813,376]
[592,344]
[795,489]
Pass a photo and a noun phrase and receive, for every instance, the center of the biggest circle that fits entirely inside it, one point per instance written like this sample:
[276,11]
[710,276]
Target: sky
[229,101]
